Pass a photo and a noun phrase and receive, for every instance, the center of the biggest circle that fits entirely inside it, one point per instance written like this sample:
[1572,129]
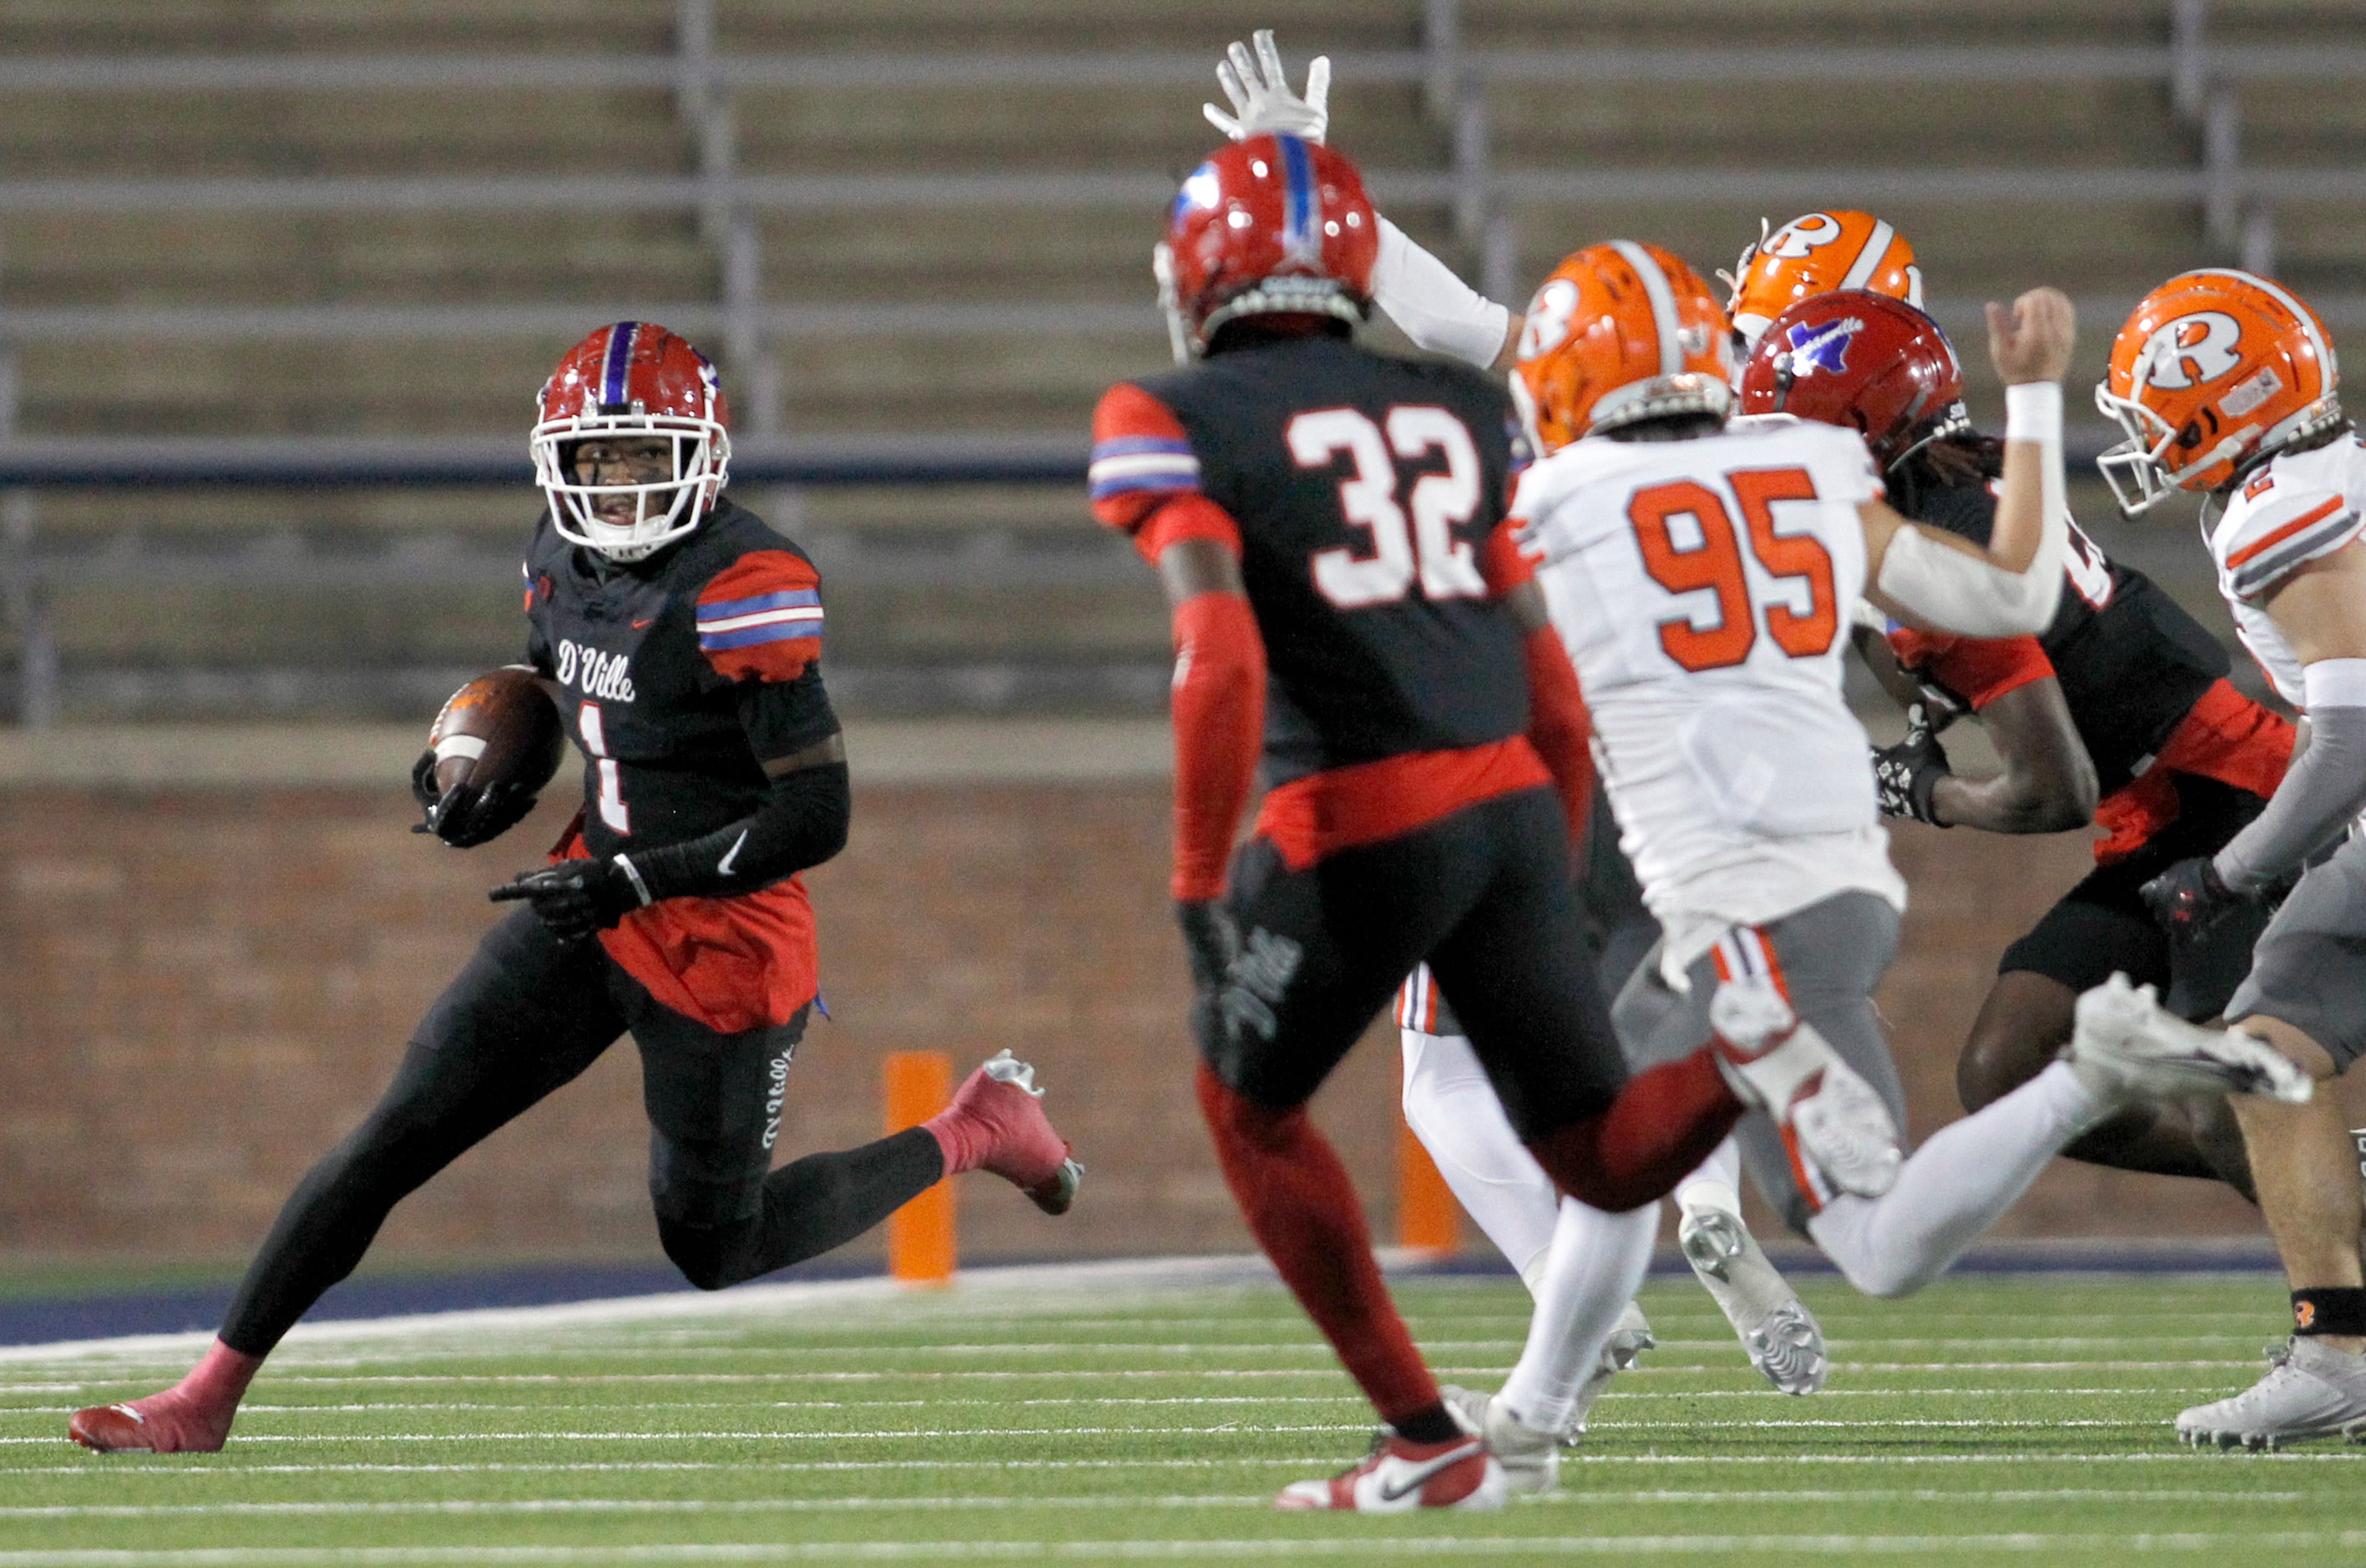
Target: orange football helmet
[1620,332]
[1816,254]
[2214,371]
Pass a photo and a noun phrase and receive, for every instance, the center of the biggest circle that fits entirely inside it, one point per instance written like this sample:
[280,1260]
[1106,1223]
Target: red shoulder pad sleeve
[1978,670]
[1141,458]
[759,618]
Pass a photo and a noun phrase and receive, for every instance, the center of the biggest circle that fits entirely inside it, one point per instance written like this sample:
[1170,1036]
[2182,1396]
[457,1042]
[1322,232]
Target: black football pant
[526,1015]
[1485,896]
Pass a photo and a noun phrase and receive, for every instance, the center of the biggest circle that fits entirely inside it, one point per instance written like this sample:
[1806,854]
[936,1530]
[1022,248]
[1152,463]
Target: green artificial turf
[2020,1419]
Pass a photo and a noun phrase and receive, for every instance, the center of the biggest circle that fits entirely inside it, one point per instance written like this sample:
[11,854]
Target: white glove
[1262,101]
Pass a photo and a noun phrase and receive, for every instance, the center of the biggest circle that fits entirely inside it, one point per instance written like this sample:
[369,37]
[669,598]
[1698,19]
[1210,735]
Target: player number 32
[1423,549]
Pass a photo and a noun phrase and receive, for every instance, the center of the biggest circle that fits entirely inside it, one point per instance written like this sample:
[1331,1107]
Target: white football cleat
[1530,1464]
[1400,1476]
[2125,1048]
[1529,1455]
[1781,1336]
[2310,1391]
[1828,1116]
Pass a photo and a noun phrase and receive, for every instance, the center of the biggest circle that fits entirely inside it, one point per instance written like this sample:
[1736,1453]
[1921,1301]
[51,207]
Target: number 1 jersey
[1703,589]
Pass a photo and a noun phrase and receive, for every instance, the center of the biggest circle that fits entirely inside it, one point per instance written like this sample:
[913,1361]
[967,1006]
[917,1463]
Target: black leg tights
[524,1016]
[809,1207]
[432,1114]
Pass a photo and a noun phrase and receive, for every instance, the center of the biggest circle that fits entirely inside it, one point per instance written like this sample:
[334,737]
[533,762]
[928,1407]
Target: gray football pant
[1832,954]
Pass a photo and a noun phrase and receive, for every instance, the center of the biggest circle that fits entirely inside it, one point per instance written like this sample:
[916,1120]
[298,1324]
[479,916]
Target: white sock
[1716,1184]
[1451,1107]
[1595,1266]
[1954,1186]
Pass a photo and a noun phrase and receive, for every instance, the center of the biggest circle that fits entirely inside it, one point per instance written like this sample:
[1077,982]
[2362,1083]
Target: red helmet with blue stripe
[1272,225]
[632,381]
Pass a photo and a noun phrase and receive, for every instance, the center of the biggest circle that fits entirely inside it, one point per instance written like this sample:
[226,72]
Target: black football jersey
[1365,488]
[682,674]
[2130,660]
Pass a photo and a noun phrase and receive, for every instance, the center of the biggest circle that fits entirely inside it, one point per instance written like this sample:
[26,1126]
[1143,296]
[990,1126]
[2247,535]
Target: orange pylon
[920,1244]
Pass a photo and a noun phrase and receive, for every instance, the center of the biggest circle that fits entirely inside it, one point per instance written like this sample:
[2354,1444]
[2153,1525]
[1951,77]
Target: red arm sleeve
[1219,708]
[1978,670]
[1501,562]
[1560,729]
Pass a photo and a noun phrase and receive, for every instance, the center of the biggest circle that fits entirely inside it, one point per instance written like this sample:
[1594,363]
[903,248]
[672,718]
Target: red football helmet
[1272,225]
[1864,361]
[632,380]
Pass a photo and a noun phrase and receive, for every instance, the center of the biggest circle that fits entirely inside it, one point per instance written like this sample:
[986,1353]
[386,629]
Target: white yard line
[1039,1281]
[2106,1547]
[1101,1501]
[1230,1429]
[1620,1394]
[114,1472]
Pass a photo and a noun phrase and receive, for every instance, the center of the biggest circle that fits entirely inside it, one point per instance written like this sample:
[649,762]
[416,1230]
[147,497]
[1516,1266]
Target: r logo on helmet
[2193,349]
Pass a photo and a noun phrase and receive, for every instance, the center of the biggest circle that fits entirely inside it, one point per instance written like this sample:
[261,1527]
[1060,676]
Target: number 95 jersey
[1703,588]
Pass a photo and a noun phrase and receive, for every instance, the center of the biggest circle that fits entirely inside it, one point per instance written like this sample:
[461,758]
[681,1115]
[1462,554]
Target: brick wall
[199,992]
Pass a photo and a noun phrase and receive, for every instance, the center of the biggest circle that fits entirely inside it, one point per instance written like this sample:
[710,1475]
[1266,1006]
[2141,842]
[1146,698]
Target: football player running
[1348,609]
[681,640]
[1448,1099]
[2123,695]
[2227,386]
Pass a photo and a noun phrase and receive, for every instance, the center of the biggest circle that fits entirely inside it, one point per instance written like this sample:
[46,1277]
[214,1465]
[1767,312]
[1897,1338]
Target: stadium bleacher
[922,228]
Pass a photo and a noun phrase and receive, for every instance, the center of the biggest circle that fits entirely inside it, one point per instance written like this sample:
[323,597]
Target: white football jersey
[1704,589]
[2299,507]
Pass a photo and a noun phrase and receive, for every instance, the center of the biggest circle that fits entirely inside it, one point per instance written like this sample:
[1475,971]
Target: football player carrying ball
[681,640]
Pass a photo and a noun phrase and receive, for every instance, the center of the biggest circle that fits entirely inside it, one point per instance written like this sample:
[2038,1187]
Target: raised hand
[1262,101]
[2032,340]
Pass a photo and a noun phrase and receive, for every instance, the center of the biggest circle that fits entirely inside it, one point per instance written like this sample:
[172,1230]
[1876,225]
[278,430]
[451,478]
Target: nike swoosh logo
[643,625]
[731,856]
[1421,1476]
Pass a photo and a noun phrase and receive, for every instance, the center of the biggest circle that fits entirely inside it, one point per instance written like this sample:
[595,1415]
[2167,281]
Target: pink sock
[205,1401]
[962,1139]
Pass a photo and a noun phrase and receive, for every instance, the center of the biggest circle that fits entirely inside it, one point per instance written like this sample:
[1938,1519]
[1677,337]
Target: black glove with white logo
[577,897]
[1211,939]
[1906,774]
[2189,898]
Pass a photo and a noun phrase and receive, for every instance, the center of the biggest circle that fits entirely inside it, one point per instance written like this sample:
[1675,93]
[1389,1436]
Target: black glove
[1908,772]
[465,816]
[576,898]
[1211,939]
[2189,897]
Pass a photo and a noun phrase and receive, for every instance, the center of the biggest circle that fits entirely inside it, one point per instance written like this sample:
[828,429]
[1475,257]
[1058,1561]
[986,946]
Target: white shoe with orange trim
[1834,1124]
[1400,1476]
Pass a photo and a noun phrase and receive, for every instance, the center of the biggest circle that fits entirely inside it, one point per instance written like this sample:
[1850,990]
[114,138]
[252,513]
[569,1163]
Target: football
[497,741]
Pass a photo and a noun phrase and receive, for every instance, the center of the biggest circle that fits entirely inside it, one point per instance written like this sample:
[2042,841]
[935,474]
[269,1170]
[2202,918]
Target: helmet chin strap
[1178,336]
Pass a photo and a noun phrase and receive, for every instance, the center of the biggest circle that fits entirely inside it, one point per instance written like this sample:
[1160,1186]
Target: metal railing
[2236,201]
